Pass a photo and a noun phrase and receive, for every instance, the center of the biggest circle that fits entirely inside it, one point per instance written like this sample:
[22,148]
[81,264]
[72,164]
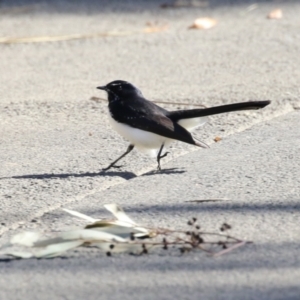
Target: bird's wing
[150,117]
[162,125]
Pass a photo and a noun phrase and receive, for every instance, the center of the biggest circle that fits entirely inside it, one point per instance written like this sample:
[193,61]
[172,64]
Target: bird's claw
[164,155]
[158,160]
[117,167]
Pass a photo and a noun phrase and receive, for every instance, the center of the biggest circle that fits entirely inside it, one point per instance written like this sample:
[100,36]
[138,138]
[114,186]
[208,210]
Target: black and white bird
[149,127]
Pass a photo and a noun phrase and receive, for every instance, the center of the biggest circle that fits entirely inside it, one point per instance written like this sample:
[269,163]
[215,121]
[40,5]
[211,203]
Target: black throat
[112,97]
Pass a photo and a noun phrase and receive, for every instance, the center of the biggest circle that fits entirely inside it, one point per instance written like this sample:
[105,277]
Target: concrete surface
[54,140]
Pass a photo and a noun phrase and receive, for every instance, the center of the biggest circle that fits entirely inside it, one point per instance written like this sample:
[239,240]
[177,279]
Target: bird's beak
[104,88]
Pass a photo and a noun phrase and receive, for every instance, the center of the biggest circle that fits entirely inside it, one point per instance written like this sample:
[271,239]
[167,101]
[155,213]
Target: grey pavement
[54,141]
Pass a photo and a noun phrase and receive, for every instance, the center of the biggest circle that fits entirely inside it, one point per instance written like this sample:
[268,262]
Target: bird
[150,128]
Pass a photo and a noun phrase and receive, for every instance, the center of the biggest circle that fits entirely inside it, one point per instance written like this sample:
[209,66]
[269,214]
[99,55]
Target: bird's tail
[202,112]
[200,143]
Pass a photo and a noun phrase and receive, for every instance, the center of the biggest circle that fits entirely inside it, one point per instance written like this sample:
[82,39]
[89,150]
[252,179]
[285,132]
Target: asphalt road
[54,141]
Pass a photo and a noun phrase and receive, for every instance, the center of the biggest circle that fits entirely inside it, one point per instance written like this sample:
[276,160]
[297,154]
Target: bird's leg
[159,156]
[129,149]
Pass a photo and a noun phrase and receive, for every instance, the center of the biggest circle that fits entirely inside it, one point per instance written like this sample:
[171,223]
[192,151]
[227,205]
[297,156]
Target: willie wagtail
[148,126]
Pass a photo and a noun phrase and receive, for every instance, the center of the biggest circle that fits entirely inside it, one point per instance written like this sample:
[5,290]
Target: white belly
[149,142]
[145,141]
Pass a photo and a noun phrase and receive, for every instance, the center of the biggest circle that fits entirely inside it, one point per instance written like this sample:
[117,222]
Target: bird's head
[120,89]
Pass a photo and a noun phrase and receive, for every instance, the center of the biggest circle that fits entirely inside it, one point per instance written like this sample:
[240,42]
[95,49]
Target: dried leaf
[89,235]
[123,226]
[57,249]
[154,27]
[119,213]
[80,215]
[203,23]
[121,229]
[27,238]
[119,247]
[20,254]
[98,99]
[240,244]
[275,14]
[85,235]
[120,235]
[57,38]
[217,139]
[50,241]
[180,103]
[43,39]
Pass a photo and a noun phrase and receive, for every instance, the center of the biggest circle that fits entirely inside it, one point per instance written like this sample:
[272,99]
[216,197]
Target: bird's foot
[114,166]
[158,160]
[164,155]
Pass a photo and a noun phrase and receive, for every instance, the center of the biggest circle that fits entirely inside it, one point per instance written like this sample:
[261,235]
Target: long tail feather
[200,143]
[202,112]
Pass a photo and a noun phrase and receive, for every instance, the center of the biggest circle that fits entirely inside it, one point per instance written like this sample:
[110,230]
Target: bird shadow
[164,171]
[125,175]
[8,259]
